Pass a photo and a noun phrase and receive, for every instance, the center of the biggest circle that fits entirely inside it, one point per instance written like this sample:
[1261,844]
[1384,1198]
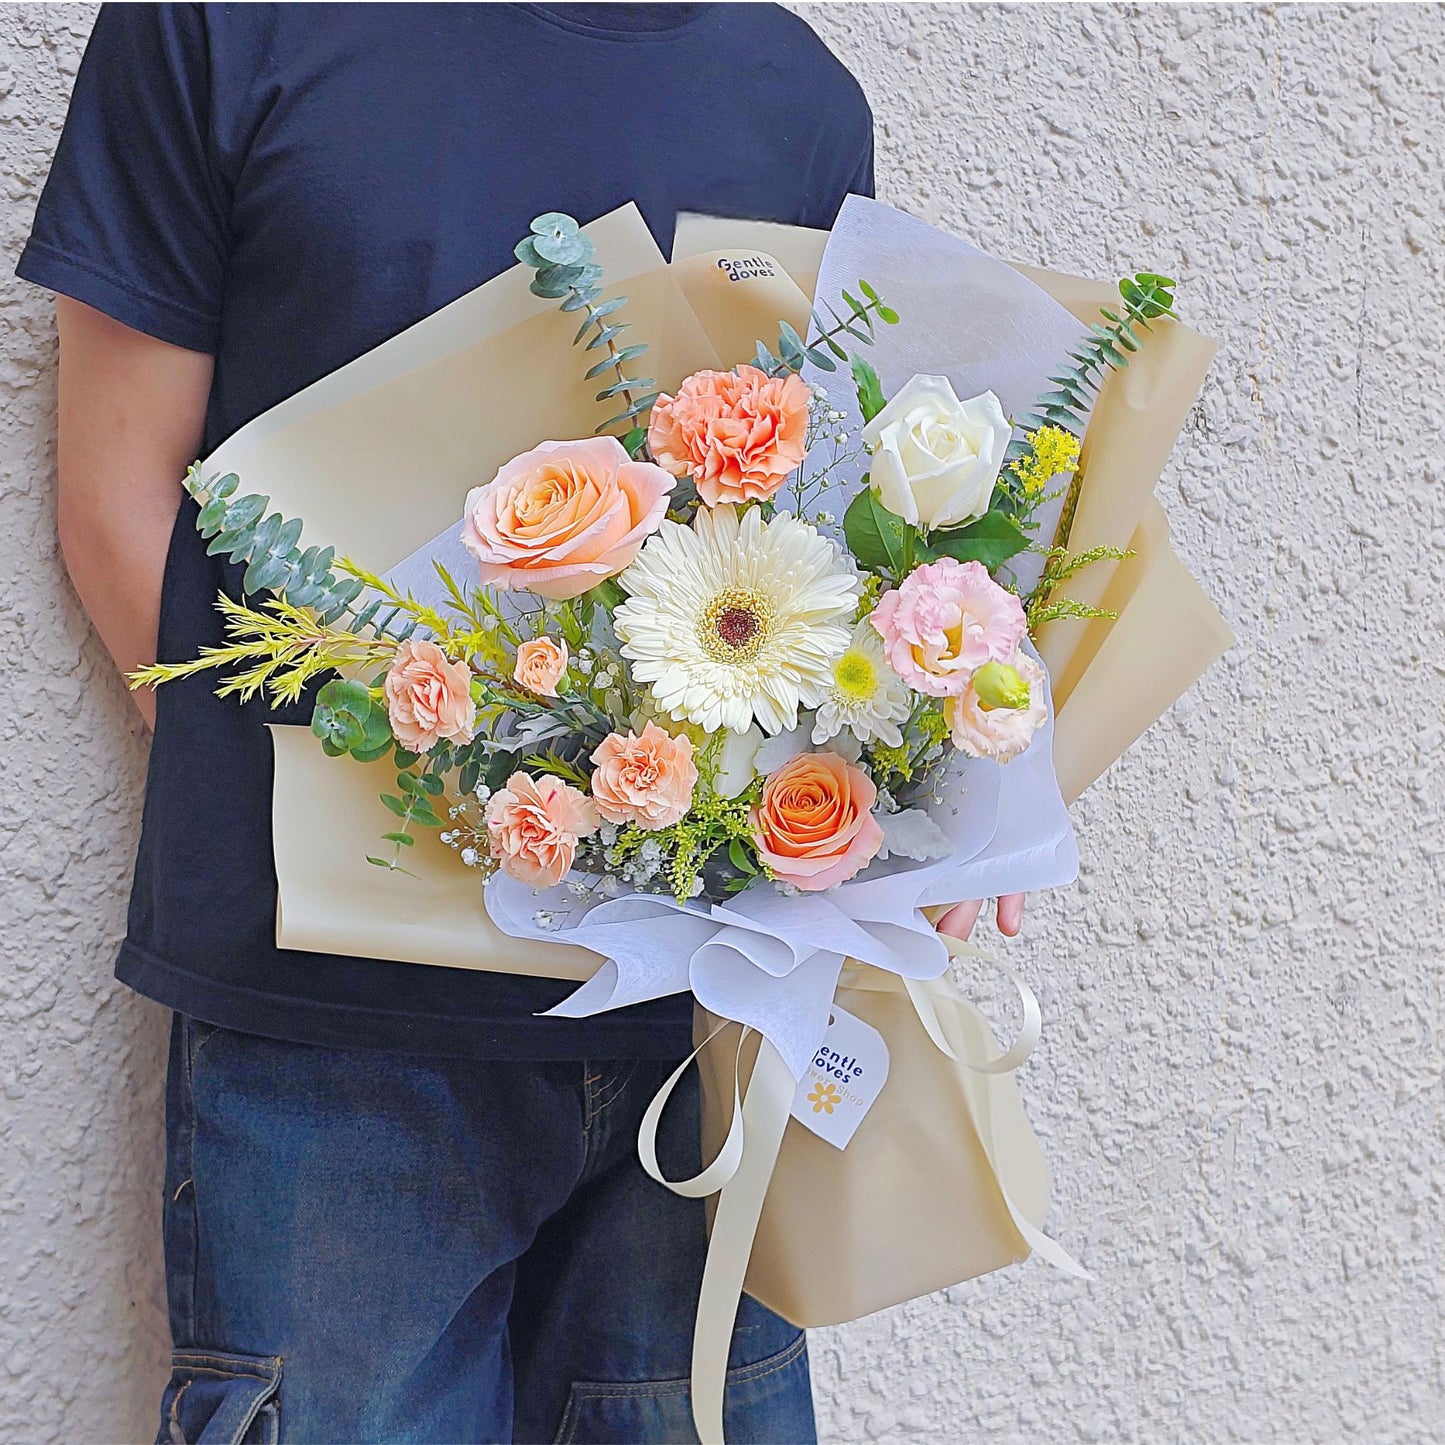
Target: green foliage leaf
[422,814]
[877,537]
[344,694]
[870,390]
[992,540]
[211,517]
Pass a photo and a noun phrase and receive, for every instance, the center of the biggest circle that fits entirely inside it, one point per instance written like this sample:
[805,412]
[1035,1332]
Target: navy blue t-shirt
[285,187]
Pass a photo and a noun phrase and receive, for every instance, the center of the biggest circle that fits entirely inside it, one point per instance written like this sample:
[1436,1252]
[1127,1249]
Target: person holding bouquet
[399,1205]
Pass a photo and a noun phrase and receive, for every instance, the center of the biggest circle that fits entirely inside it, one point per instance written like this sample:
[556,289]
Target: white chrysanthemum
[735,618]
[864,694]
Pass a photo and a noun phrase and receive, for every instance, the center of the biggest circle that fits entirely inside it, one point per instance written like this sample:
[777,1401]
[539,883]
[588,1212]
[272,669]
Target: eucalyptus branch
[793,351]
[240,528]
[562,258]
[1146,298]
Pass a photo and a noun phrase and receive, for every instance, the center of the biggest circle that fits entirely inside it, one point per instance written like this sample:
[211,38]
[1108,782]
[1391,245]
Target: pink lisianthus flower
[534,826]
[945,621]
[1000,733]
[645,779]
[428,697]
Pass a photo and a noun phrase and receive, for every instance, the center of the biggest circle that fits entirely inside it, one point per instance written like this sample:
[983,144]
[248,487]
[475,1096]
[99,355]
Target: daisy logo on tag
[845,1076]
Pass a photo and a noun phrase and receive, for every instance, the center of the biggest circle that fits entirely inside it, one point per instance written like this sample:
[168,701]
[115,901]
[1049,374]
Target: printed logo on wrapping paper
[844,1078]
[747,268]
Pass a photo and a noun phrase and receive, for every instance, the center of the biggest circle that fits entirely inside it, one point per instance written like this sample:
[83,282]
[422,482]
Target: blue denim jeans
[367,1247]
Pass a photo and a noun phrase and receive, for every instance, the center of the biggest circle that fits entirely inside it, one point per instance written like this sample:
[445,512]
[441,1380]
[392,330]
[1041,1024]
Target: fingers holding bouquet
[958,921]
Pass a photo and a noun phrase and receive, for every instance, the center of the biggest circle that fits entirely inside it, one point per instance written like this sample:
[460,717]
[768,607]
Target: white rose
[935,458]
[737,766]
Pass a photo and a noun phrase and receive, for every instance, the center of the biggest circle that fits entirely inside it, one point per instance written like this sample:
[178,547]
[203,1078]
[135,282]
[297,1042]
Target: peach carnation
[1000,733]
[647,779]
[428,697]
[563,517]
[945,621]
[534,826]
[737,434]
[813,824]
[540,665]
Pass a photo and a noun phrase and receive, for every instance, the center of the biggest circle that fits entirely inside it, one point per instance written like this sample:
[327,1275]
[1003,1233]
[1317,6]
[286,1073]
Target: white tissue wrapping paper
[770,960]
[963,314]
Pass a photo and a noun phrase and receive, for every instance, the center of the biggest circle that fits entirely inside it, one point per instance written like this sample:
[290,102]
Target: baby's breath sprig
[677,855]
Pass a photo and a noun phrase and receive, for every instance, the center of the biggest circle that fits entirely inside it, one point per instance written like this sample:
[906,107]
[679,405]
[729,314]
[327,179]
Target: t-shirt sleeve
[132,219]
[842,162]
[862,182]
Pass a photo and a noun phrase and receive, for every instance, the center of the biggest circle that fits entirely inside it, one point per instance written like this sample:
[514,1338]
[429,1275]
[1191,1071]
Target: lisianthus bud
[999,686]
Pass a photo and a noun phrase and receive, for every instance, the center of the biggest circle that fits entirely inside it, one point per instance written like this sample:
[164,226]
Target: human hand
[958,922]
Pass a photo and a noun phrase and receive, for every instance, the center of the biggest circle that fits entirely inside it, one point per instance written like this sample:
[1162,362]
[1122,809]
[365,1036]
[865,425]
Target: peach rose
[647,780]
[534,825]
[428,697]
[540,665]
[737,434]
[564,516]
[813,825]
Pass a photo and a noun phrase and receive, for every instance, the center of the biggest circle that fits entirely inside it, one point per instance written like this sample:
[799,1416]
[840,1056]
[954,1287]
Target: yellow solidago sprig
[677,855]
[1044,604]
[1051,451]
[279,646]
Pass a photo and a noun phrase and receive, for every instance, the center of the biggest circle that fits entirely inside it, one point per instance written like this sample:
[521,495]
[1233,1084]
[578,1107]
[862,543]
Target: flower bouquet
[728,691]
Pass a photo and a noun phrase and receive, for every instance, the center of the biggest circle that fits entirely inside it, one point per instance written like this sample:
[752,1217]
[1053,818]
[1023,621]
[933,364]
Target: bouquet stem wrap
[964,1089]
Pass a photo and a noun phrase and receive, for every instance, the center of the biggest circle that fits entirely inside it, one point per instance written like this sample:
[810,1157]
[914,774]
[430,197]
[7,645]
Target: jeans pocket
[221,1399]
[767,1403]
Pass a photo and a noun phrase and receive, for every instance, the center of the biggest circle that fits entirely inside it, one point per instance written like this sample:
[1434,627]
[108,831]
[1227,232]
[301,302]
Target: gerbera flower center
[854,677]
[734,626]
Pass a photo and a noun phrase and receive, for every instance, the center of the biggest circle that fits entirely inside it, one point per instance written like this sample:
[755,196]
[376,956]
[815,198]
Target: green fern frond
[1145,298]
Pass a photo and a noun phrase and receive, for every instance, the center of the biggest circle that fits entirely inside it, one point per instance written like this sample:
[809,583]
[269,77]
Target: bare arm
[132,410]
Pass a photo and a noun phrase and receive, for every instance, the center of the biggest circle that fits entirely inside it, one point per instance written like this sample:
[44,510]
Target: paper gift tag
[844,1078]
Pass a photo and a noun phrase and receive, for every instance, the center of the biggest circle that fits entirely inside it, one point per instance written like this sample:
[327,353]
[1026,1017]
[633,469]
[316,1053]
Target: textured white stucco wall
[1241,1081]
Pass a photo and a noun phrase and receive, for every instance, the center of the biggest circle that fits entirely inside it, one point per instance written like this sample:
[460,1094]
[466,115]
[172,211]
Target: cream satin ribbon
[743,1167]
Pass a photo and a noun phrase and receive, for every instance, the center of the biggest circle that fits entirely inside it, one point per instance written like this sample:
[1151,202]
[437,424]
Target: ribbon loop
[722,1169]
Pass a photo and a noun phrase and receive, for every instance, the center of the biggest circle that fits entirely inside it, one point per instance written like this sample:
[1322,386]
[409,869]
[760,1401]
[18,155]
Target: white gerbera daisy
[736,619]
[864,694]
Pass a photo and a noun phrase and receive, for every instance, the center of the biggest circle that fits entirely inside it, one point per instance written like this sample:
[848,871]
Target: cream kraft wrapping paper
[941,1140]
[1175,633]
[408,410]
[915,1203]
